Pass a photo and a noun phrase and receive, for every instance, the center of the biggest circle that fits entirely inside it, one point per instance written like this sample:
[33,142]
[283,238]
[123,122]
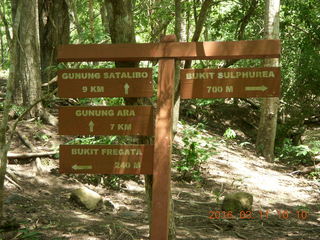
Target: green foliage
[315,174]
[230,134]
[94,140]
[300,36]
[86,35]
[41,136]
[29,234]
[295,155]
[302,208]
[196,151]
[18,110]
[101,101]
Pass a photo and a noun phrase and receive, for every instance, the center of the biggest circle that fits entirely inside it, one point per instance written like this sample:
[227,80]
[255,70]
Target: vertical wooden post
[163,148]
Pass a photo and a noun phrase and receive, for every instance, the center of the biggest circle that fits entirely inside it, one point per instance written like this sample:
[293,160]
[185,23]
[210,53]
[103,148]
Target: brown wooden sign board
[178,50]
[106,159]
[230,83]
[116,82]
[116,120]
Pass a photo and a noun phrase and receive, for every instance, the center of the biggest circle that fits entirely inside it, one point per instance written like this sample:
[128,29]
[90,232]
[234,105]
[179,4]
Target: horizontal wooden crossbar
[178,50]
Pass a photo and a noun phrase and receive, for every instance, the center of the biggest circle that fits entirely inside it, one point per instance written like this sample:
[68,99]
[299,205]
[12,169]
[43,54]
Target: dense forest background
[31,31]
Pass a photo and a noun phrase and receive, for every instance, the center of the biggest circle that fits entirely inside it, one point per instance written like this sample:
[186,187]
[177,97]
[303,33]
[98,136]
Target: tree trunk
[54,24]
[27,76]
[4,144]
[2,47]
[121,24]
[121,27]
[269,109]
[177,31]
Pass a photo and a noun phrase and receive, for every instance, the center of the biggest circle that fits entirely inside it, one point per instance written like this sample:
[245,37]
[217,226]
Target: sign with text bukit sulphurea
[115,82]
[115,120]
[106,159]
[230,83]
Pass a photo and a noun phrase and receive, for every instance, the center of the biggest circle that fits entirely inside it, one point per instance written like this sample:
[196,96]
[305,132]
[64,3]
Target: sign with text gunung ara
[115,120]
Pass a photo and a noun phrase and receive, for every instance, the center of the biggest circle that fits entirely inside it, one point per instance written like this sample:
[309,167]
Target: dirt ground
[286,206]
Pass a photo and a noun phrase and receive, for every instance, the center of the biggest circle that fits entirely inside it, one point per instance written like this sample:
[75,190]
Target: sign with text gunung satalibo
[113,82]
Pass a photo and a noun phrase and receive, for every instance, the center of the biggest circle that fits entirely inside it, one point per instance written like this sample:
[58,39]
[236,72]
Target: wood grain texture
[179,50]
[162,152]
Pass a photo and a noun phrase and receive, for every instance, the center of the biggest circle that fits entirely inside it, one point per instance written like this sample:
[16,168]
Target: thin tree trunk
[91,21]
[104,17]
[188,25]
[2,47]
[242,24]
[177,31]
[75,19]
[269,109]
[4,145]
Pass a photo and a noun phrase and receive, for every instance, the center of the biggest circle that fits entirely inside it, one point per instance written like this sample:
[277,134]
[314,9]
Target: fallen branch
[53,80]
[11,155]
[306,170]
[13,182]
[25,141]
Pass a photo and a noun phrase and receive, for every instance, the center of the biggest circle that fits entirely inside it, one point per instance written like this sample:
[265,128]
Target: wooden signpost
[117,82]
[163,147]
[138,120]
[106,159]
[230,83]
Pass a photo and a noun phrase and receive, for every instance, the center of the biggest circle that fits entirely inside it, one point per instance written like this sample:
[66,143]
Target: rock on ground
[87,198]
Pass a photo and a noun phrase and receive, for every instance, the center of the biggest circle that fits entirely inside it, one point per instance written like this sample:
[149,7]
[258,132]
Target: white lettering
[125,75]
[122,152]
[84,151]
[248,74]
[94,113]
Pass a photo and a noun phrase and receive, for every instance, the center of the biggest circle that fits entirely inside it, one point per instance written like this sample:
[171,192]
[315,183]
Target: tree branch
[243,23]
[206,5]
[30,155]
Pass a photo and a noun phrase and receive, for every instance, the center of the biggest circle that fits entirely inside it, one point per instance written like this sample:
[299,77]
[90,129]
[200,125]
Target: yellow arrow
[256,88]
[81,167]
[91,125]
[126,89]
